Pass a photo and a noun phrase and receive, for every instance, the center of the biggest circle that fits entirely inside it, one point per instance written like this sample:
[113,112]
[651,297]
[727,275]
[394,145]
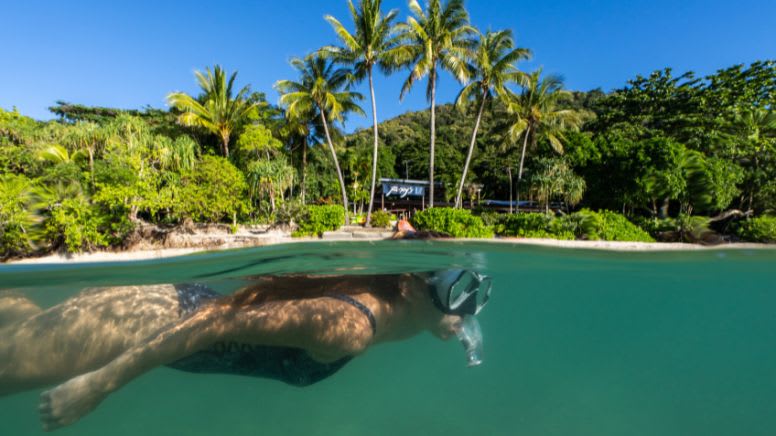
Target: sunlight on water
[576,343]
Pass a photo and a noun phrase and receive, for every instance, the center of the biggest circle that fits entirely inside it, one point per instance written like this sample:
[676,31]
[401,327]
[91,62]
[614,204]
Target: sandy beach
[214,240]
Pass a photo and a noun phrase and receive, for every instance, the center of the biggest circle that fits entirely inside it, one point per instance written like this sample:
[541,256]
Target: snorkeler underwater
[297,329]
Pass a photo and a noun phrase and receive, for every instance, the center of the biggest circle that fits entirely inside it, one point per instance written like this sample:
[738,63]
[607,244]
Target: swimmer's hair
[422,235]
[264,289]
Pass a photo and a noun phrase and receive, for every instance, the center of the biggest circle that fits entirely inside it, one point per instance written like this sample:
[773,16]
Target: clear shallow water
[576,343]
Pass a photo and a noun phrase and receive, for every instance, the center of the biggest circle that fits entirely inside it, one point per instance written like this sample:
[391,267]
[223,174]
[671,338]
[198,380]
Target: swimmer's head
[460,295]
[459,292]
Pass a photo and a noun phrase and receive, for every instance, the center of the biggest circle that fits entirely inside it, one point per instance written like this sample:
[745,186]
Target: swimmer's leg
[15,308]
[81,334]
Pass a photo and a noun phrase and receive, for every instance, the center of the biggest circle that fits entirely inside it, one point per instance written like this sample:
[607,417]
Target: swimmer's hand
[68,402]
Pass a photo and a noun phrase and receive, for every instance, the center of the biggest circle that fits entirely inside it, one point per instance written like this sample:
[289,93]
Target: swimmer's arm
[328,329]
[68,402]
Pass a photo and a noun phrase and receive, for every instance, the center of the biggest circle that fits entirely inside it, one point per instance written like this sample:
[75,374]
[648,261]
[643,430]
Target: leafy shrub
[290,212]
[563,229]
[357,218]
[684,228]
[213,191]
[18,215]
[319,219]
[77,226]
[490,218]
[760,229]
[692,228]
[457,223]
[616,227]
[653,225]
[585,224]
[65,173]
[532,225]
[607,226]
[381,219]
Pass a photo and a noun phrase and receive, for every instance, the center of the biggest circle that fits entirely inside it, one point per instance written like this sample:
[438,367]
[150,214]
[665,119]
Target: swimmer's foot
[68,402]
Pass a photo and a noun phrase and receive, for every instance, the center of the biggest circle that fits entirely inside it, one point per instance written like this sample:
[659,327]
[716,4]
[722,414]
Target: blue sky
[130,54]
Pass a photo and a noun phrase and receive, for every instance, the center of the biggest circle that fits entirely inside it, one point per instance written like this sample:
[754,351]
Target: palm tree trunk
[304,170]
[337,166]
[458,202]
[374,151]
[522,162]
[91,166]
[272,197]
[225,145]
[432,78]
[291,185]
[509,172]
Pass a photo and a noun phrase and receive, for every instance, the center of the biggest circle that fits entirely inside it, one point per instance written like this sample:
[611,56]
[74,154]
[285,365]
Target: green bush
[616,227]
[760,229]
[77,226]
[357,219]
[290,212]
[692,228]
[64,173]
[215,190]
[18,215]
[684,228]
[532,225]
[319,219]
[604,225]
[490,218]
[381,219]
[585,224]
[457,223]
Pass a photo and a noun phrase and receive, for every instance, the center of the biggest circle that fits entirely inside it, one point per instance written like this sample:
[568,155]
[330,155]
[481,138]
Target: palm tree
[437,37]
[21,213]
[87,138]
[57,154]
[218,109]
[555,178]
[537,115]
[755,130]
[298,133]
[493,68]
[178,155]
[375,43]
[322,89]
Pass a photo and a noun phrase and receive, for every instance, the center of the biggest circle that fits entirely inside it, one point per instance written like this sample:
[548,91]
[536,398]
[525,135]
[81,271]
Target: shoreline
[366,236]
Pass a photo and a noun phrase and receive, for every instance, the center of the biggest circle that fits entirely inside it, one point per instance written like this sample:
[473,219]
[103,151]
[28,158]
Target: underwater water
[576,343]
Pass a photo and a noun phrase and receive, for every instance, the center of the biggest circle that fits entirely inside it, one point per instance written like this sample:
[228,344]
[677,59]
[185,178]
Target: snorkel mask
[459,292]
[463,293]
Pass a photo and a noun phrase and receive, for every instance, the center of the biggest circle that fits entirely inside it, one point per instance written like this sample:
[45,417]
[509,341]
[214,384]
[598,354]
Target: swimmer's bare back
[405,230]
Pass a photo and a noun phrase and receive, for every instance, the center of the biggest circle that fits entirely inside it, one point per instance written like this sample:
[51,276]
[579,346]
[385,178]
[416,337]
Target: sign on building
[403,190]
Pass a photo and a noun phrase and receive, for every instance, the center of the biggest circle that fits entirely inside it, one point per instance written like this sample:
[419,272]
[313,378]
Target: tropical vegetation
[665,157]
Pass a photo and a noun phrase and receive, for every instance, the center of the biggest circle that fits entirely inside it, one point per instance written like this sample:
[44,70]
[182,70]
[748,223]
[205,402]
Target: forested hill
[663,144]
[404,143]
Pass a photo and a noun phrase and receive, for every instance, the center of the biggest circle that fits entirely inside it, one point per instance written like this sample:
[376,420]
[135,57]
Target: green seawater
[576,343]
